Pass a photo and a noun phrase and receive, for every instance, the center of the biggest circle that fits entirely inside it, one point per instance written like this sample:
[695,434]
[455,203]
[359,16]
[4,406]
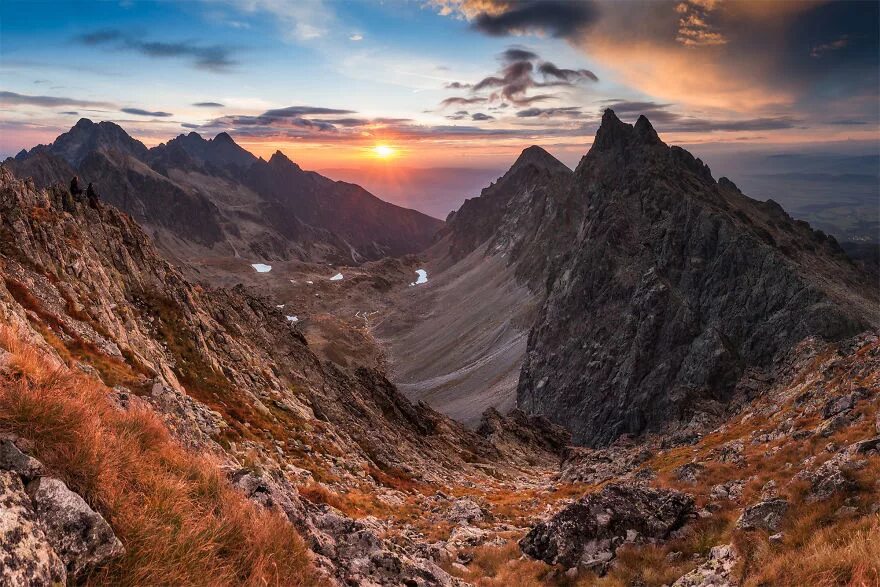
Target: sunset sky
[439,83]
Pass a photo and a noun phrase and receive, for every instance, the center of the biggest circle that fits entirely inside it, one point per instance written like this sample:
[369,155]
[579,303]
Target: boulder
[26,555]
[764,515]
[81,537]
[588,532]
[465,511]
[717,571]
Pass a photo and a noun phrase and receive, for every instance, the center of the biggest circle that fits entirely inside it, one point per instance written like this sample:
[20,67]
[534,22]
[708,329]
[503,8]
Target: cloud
[461,101]
[547,17]
[515,79]
[356,37]
[569,75]
[819,50]
[566,111]
[518,54]
[458,86]
[480,116]
[214,58]
[209,105]
[13,99]
[140,112]
[667,121]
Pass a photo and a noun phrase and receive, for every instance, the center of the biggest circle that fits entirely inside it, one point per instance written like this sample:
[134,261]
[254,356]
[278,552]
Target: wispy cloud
[141,112]
[214,58]
[14,99]
[208,105]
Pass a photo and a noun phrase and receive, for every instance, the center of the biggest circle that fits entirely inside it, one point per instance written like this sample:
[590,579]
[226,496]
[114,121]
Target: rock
[870,444]
[12,459]
[764,515]
[830,477]
[27,558]
[828,427]
[776,538]
[769,491]
[588,532]
[717,571]
[465,511]
[467,536]
[838,405]
[731,490]
[689,472]
[81,537]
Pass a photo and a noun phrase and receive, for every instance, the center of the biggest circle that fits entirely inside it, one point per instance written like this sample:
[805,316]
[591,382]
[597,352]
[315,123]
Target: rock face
[588,532]
[764,515]
[26,555]
[672,285]
[81,537]
[212,194]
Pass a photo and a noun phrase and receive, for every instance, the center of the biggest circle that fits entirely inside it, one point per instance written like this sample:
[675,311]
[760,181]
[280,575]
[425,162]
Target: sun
[384,151]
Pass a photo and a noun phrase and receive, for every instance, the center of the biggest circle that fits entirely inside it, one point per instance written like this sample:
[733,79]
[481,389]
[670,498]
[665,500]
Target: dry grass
[180,521]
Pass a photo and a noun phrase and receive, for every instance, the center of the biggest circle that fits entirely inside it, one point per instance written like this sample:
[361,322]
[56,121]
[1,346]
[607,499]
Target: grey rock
[689,472]
[717,571]
[12,459]
[27,558]
[81,537]
[465,511]
[764,515]
[598,523]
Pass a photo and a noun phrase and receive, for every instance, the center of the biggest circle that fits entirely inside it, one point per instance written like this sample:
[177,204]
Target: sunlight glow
[384,151]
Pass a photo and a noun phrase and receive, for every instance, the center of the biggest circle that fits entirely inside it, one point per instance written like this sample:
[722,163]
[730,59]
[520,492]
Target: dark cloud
[215,58]
[461,101]
[667,121]
[457,86]
[13,99]
[556,18]
[480,116]
[518,54]
[565,111]
[209,105]
[70,113]
[568,75]
[141,112]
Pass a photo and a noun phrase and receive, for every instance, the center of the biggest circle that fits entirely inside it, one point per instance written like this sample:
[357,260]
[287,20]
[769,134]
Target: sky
[439,83]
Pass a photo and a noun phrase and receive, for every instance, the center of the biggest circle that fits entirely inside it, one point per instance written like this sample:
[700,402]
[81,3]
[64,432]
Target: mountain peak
[83,123]
[224,137]
[540,158]
[613,133]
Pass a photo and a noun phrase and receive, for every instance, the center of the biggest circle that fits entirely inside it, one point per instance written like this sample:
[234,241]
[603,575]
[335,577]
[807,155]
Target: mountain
[458,343]
[673,291]
[202,197]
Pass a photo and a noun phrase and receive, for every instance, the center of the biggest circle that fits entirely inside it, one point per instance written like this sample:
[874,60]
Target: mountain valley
[241,372]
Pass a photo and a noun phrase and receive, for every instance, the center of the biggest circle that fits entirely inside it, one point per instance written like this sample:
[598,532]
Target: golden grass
[179,519]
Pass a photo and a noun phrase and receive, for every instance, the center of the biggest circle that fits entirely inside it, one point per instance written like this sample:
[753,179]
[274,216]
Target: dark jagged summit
[671,286]
[540,158]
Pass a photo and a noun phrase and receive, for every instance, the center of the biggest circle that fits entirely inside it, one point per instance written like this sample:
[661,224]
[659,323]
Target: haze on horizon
[378,92]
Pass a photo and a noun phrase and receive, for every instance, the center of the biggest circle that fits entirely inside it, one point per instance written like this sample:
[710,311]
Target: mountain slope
[673,287]
[458,341]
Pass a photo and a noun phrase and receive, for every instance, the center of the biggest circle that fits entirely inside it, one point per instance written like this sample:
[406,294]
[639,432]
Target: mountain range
[201,196]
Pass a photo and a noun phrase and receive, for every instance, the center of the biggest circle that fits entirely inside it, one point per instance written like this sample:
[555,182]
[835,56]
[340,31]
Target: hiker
[92,196]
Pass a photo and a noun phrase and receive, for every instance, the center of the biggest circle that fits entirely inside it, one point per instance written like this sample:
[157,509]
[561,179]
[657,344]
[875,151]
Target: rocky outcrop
[523,439]
[715,572]
[48,533]
[80,536]
[27,557]
[588,532]
[673,285]
[764,515]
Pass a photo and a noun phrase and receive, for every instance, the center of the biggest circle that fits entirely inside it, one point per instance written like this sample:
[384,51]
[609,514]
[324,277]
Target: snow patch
[261,268]
[423,277]
[336,277]
[279,306]
[310,282]
[292,319]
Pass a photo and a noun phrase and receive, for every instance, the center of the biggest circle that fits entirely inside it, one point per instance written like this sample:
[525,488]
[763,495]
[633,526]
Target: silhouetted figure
[75,190]
[92,196]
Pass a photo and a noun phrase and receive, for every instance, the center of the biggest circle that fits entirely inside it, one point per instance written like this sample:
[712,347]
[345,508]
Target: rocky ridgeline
[672,288]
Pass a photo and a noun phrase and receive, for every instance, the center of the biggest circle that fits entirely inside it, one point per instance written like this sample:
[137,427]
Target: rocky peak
[538,157]
[224,137]
[220,151]
[279,159]
[86,137]
[616,135]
